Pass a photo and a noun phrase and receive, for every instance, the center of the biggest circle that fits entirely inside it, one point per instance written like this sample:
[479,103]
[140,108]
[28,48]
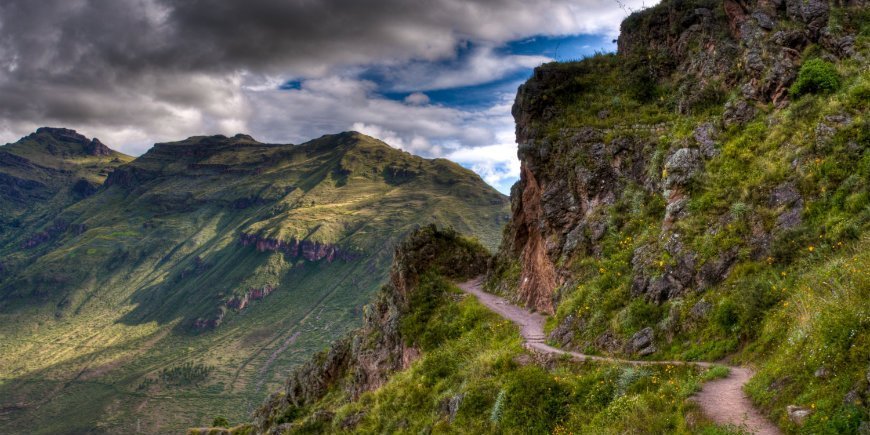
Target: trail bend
[721,400]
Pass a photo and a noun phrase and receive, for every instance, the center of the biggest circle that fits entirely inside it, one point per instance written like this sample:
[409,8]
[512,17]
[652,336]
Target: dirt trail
[722,400]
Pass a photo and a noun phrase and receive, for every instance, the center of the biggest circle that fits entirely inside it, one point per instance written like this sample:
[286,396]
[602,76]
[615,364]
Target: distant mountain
[48,170]
[137,294]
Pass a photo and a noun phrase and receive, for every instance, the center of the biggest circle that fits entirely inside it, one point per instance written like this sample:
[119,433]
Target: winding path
[722,400]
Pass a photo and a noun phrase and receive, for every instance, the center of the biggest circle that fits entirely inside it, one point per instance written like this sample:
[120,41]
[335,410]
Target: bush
[716,372]
[220,422]
[727,314]
[533,401]
[815,76]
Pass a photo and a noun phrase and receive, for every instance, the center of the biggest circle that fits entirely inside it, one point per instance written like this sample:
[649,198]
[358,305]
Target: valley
[216,255]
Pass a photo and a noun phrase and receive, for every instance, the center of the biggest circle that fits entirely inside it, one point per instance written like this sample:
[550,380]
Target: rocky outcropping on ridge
[363,360]
[570,176]
[306,249]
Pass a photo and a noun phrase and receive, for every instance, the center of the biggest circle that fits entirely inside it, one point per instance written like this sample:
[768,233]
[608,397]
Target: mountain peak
[64,141]
[62,134]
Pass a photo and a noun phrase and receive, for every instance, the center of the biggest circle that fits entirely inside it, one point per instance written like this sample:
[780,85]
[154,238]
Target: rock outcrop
[570,177]
[58,227]
[306,249]
[82,145]
[236,302]
[240,302]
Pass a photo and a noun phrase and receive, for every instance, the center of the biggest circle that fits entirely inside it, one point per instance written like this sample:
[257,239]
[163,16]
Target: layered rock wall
[306,249]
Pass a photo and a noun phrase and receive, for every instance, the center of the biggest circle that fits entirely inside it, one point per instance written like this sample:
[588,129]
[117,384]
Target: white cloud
[417,99]
[483,65]
[496,164]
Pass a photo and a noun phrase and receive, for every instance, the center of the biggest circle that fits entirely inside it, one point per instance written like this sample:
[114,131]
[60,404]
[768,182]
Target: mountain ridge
[202,269]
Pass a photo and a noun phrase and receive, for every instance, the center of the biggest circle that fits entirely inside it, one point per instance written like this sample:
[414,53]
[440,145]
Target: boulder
[764,21]
[798,414]
[681,166]
[786,194]
[822,373]
[608,341]
[564,332]
[641,343]
[716,269]
[738,112]
[705,134]
[815,15]
[853,397]
[450,406]
[700,310]
[790,218]
[787,198]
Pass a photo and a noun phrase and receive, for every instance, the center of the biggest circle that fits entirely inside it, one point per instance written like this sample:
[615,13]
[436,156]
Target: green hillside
[45,172]
[189,282]
[701,195]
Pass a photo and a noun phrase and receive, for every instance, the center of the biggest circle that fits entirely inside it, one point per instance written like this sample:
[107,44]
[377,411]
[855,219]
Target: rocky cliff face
[236,302]
[307,249]
[571,176]
[75,142]
[363,360]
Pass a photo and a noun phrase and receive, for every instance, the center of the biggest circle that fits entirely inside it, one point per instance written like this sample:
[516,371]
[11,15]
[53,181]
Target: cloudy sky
[434,77]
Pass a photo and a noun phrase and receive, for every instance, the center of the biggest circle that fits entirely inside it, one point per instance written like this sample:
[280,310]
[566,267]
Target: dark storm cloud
[138,70]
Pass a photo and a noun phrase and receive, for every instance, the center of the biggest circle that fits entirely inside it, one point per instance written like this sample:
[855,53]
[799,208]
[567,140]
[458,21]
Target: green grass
[816,76]
[716,372]
[90,322]
[794,300]
[821,323]
[478,358]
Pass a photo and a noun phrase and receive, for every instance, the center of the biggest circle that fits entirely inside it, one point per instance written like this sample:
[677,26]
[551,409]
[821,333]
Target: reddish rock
[238,302]
[311,251]
[260,293]
[202,324]
[58,227]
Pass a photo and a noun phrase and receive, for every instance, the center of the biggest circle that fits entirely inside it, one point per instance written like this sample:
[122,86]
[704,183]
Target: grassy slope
[89,321]
[803,308]
[475,358]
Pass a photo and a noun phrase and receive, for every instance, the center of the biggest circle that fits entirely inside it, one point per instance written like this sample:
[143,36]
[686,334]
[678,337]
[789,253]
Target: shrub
[815,76]
[727,314]
[641,314]
[220,422]
[533,401]
[716,372]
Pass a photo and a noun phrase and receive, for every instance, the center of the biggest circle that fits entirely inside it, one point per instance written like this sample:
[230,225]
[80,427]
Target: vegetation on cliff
[719,185]
[701,194]
[396,328]
[443,362]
